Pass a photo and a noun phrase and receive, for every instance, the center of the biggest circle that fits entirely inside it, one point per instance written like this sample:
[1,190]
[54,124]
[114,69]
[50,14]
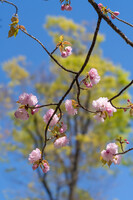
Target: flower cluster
[103,108]
[35,159]
[48,115]
[105,11]
[71,106]
[108,156]
[66,52]
[66,7]
[26,101]
[92,78]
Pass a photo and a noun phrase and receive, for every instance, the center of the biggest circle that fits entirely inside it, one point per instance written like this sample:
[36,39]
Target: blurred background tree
[73,166]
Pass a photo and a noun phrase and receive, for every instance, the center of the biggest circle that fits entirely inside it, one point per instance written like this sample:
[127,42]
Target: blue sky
[32,14]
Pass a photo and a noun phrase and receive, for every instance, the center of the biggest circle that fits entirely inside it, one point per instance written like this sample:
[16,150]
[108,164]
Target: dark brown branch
[114,97]
[4,1]
[78,99]
[56,61]
[45,105]
[124,152]
[95,6]
[55,48]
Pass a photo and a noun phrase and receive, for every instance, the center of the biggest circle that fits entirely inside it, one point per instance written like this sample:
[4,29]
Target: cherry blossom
[22,114]
[109,154]
[66,7]
[48,115]
[63,128]
[35,110]
[61,142]
[35,155]
[67,52]
[69,107]
[28,99]
[102,104]
[116,13]
[46,167]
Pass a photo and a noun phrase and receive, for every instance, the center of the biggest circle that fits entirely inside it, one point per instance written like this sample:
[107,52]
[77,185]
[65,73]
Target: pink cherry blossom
[68,49]
[23,98]
[63,128]
[117,159]
[46,168]
[100,6]
[48,115]
[35,110]
[61,142]
[69,107]
[63,7]
[35,166]
[94,77]
[28,99]
[64,54]
[68,8]
[108,154]
[116,13]
[34,155]
[22,114]
[104,106]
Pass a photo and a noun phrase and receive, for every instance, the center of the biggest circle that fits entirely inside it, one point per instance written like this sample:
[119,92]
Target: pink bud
[125,139]
[64,54]
[127,142]
[63,7]
[116,13]
[100,5]
[34,166]
[68,7]
[128,100]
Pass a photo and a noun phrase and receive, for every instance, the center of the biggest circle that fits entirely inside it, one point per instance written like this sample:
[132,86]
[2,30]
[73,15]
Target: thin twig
[120,19]
[78,98]
[114,97]
[4,1]
[123,152]
[95,6]
[48,52]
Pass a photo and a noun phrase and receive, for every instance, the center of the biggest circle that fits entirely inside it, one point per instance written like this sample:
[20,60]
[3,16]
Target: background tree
[73,164]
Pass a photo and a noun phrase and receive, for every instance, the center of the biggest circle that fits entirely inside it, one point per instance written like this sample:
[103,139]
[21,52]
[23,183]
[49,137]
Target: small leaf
[66,42]
[61,38]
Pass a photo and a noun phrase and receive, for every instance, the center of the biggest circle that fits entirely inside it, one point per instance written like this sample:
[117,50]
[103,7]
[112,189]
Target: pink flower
[46,168]
[64,54]
[116,13]
[48,115]
[21,114]
[35,110]
[100,117]
[23,98]
[61,142]
[68,49]
[104,106]
[63,128]
[100,6]
[34,155]
[68,8]
[28,99]
[35,166]
[69,107]
[63,7]
[117,159]
[94,77]
[108,154]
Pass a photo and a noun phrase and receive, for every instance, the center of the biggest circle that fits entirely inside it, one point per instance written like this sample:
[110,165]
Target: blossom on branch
[35,155]
[116,13]
[66,7]
[108,156]
[28,99]
[103,108]
[61,142]
[48,115]
[21,114]
[67,52]
[70,106]
[92,78]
